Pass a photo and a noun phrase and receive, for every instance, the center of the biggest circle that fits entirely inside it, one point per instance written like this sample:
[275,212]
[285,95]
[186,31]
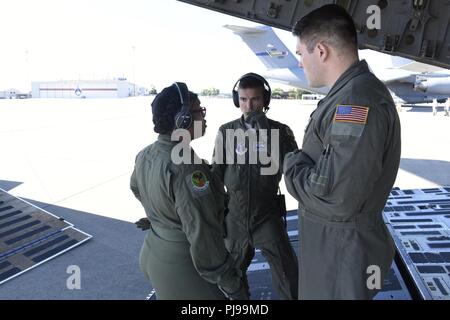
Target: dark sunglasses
[202,110]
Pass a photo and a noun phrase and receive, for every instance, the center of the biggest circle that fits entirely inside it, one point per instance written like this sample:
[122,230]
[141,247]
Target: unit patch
[199,181]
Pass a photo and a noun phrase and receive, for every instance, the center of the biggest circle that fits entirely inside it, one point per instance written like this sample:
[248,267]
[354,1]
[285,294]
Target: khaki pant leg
[168,265]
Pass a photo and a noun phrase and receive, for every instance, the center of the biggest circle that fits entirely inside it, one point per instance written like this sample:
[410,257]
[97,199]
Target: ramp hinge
[390,42]
[273,10]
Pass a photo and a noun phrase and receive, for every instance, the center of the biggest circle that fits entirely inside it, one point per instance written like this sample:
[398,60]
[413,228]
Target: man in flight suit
[255,219]
[347,166]
[184,254]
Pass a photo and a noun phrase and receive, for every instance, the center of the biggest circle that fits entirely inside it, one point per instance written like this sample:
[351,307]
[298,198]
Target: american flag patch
[352,114]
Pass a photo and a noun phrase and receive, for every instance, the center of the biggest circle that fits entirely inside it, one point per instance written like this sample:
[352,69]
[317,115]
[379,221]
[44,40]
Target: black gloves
[143,224]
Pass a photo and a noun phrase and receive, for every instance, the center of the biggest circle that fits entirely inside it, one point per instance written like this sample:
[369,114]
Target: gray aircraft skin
[436,85]
[410,82]
[418,30]
[423,92]
[415,29]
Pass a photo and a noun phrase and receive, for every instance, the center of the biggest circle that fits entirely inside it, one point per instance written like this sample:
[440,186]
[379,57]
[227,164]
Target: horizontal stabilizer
[266,45]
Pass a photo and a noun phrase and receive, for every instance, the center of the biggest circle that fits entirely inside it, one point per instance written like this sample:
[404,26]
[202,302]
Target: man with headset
[255,219]
[183,254]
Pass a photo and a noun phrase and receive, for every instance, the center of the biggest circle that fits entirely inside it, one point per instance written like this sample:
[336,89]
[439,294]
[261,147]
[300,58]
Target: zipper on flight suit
[327,150]
[327,167]
[249,189]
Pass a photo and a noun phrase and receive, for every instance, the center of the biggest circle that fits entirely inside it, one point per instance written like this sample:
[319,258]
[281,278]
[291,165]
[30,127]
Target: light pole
[134,71]
[27,65]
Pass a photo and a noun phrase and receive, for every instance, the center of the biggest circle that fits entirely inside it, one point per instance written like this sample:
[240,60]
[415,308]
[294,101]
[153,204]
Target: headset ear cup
[183,120]
[236,98]
[267,97]
[235,93]
[188,121]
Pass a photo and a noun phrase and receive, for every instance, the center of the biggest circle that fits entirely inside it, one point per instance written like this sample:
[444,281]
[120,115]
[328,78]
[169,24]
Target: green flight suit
[342,177]
[184,254]
[254,220]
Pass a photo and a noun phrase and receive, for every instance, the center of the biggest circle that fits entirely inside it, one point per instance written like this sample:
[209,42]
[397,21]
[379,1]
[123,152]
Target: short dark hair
[250,82]
[331,23]
[164,108]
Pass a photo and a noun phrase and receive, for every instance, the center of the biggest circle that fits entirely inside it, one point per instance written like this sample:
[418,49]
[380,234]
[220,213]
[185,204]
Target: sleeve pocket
[321,178]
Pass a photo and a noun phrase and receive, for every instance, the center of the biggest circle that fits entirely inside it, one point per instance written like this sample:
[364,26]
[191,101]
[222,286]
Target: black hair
[330,23]
[164,108]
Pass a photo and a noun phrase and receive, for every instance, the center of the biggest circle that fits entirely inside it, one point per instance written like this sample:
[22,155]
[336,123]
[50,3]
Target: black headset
[183,119]
[265,84]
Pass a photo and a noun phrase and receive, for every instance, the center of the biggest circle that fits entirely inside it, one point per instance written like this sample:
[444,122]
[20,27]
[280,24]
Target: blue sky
[94,39]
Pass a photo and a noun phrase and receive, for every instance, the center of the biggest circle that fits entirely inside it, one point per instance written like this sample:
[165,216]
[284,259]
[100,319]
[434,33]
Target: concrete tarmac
[74,158]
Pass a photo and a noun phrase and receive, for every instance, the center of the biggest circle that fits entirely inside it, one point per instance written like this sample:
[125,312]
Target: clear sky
[154,42]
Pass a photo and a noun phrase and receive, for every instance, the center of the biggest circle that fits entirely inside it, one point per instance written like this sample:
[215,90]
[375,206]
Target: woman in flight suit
[183,254]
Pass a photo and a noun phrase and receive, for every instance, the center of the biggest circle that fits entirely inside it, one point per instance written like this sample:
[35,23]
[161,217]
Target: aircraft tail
[266,45]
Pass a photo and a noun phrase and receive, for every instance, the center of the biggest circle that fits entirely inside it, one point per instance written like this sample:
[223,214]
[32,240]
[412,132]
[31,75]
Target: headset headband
[264,82]
[183,92]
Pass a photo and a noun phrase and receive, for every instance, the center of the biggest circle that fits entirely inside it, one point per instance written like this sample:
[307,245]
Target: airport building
[119,88]
[8,94]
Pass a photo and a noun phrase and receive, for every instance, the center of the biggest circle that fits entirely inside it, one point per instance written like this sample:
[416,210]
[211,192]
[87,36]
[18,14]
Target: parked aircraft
[410,82]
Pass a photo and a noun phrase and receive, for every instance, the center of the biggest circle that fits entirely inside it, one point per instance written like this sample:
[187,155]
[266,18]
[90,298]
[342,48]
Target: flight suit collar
[242,123]
[355,69]
[166,139]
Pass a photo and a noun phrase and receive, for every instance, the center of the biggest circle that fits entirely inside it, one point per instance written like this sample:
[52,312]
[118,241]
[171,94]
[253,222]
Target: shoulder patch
[351,114]
[199,181]
[349,120]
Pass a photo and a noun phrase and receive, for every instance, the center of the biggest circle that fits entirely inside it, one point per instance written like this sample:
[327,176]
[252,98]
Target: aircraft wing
[413,66]
[404,70]
[398,78]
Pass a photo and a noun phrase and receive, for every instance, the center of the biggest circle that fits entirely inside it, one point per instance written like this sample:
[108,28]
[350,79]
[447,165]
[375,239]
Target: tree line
[277,93]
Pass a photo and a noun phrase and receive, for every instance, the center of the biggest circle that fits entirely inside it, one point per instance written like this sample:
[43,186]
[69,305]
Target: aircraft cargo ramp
[394,288]
[30,236]
[419,222]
